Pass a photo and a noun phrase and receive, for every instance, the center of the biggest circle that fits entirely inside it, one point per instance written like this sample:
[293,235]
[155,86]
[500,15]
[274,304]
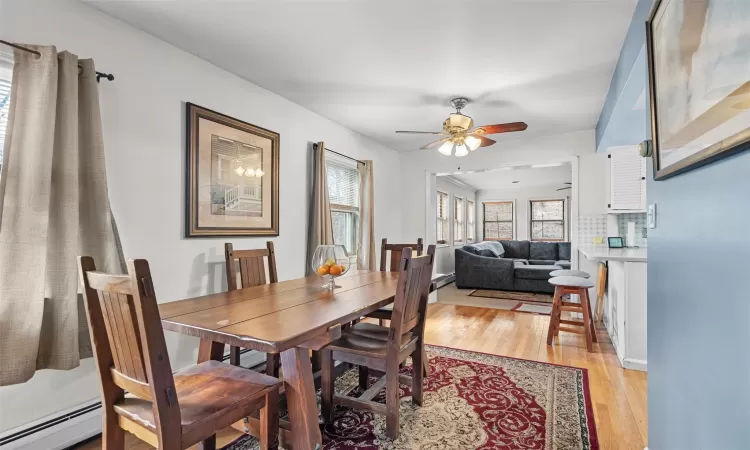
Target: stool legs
[587,324]
[584,307]
[554,320]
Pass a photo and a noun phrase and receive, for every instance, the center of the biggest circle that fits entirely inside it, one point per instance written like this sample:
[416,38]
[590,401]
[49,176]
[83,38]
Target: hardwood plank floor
[618,395]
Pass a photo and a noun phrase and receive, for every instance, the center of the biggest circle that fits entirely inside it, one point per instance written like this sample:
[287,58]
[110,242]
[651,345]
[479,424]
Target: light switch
[651,215]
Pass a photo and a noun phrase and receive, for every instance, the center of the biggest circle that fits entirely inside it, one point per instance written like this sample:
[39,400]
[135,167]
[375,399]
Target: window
[458,220]
[498,220]
[442,218]
[343,193]
[470,214]
[4,107]
[547,220]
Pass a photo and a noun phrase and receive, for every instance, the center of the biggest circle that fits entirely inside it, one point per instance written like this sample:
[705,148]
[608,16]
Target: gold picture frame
[700,95]
[232,176]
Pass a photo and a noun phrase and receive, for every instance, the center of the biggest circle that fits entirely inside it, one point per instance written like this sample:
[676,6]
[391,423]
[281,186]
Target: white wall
[444,254]
[144,115]
[521,197]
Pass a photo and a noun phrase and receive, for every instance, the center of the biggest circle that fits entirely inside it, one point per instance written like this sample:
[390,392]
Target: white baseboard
[59,436]
[634,364]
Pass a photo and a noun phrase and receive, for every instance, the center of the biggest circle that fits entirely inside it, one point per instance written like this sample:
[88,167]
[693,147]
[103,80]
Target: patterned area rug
[518,301]
[473,401]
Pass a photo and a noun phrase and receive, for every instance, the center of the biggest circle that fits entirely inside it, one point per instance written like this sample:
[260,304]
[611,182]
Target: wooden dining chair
[392,265]
[168,411]
[251,273]
[385,348]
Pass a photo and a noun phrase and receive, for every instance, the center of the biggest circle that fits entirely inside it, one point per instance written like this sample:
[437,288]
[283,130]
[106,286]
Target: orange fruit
[323,270]
[335,270]
[343,269]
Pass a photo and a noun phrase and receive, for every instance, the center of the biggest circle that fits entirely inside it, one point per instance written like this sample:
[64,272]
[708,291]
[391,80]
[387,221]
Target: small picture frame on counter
[615,242]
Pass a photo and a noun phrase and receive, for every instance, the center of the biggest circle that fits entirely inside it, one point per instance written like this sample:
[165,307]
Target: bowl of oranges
[330,262]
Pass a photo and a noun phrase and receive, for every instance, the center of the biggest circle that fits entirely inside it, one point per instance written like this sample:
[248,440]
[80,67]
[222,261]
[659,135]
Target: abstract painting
[699,76]
[232,176]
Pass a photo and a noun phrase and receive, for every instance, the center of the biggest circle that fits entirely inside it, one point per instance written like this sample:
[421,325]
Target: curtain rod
[99,75]
[340,154]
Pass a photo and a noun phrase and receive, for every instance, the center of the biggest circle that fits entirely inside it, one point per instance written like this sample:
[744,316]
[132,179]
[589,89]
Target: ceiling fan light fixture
[250,172]
[447,148]
[239,170]
[461,150]
[472,142]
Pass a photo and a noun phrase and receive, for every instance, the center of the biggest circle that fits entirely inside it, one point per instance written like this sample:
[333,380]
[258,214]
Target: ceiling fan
[459,135]
[566,187]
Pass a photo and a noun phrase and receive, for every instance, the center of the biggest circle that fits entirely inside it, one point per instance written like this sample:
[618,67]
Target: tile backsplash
[591,226]
[641,239]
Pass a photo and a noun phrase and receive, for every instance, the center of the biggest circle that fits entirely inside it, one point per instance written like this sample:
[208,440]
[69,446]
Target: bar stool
[571,285]
[569,273]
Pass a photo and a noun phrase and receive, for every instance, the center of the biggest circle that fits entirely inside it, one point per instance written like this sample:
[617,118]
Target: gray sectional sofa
[510,265]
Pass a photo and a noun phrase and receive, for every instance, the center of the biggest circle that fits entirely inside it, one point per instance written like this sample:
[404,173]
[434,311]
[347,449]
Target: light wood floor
[618,395]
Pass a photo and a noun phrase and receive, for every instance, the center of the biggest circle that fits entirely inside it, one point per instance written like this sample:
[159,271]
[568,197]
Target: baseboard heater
[72,427]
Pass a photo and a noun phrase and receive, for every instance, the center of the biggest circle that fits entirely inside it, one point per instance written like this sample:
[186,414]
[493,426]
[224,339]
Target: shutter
[627,180]
[4,110]
[343,184]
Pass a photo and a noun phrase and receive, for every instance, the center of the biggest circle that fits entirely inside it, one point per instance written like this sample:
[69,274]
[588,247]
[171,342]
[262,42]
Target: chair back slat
[252,270]
[122,331]
[393,264]
[128,341]
[412,292]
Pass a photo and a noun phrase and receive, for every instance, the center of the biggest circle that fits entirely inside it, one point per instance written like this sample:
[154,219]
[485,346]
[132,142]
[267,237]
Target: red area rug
[473,401]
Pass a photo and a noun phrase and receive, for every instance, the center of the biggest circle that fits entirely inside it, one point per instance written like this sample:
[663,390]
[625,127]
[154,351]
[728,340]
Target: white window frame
[470,221]
[446,219]
[352,212]
[513,218]
[459,220]
[565,218]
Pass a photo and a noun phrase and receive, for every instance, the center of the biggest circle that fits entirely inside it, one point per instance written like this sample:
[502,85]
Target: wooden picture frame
[715,109]
[232,176]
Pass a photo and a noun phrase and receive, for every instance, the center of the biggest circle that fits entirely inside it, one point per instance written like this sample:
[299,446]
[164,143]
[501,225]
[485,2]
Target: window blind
[343,184]
[458,229]
[442,218]
[4,110]
[469,221]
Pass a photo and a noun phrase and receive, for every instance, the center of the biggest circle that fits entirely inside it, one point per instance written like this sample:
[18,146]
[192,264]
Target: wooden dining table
[289,317]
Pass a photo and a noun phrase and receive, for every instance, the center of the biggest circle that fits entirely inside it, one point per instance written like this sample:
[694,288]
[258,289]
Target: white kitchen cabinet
[627,180]
[625,312]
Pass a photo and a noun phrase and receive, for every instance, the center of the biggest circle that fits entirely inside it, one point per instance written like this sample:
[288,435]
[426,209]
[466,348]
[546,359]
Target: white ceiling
[527,177]
[377,66]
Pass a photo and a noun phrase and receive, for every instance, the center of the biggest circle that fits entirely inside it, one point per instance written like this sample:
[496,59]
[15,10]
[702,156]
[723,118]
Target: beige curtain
[321,229]
[53,207]
[366,256]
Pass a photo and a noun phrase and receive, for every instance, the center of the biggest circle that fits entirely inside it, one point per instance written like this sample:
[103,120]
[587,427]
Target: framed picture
[699,81]
[232,176]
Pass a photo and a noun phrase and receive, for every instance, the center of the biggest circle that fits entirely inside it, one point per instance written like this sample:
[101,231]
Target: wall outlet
[651,216]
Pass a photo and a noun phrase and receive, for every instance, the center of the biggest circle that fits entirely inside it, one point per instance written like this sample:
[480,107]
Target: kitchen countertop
[603,253]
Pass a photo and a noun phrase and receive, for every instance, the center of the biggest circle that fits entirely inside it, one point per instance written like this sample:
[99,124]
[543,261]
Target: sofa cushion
[563,251]
[541,262]
[516,249]
[563,264]
[489,248]
[534,272]
[543,250]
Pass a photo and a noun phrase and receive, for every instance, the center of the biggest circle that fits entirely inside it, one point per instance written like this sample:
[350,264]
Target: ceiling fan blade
[562,189]
[434,144]
[500,128]
[422,132]
[486,142]
[567,182]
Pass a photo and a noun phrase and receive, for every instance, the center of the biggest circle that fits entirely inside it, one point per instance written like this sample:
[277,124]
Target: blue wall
[698,281]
